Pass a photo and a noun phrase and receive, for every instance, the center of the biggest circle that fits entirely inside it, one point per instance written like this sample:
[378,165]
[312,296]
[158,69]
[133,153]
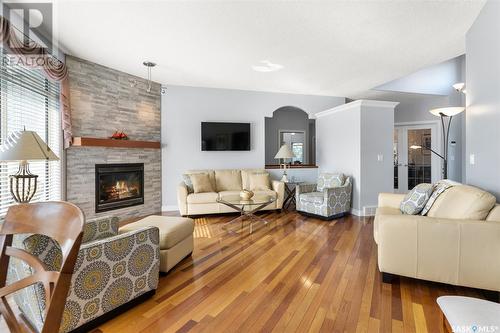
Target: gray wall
[483,99]
[102,101]
[350,139]
[286,118]
[417,109]
[184,108]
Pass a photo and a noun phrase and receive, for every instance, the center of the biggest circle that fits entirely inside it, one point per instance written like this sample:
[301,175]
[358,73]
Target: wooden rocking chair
[60,221]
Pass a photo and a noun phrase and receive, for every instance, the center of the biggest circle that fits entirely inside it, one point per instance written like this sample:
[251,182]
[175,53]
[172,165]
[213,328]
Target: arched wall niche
[291,125]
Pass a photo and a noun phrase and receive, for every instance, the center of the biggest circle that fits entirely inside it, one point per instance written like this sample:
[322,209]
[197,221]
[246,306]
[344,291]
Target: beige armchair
[464,252]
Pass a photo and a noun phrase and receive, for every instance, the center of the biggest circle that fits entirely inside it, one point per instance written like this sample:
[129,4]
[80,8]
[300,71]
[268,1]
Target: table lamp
[25,146]
[283,153]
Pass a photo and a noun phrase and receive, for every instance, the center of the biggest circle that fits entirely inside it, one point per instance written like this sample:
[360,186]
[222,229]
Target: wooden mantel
[79,141]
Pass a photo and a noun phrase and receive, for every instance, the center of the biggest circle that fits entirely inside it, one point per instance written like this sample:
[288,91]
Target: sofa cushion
[173,229]
[494,214]
[227,194]
[388,211]
[415,200]
[439,188]
[201,198]
[312,197]
[463,202]
[201,183]
[259,181]
[228,180]
[211,174]
[261,193]
[245,174]
[326,180]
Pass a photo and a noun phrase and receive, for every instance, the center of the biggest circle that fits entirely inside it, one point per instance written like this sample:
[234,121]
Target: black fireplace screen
[118,186]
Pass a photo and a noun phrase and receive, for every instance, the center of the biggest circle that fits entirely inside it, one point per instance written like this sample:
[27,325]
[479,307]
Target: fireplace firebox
[118,186]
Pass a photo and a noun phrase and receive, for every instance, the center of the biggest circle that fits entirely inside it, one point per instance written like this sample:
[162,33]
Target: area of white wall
[183,110]
[338,144]
[356,139]
[416,109]
[430,80]
[483,99]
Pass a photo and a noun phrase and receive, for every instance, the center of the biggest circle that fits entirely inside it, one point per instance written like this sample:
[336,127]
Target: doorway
[412,163]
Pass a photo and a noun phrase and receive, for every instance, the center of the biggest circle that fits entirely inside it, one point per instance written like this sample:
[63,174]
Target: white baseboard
[365,212]
[169,208]
[356,212]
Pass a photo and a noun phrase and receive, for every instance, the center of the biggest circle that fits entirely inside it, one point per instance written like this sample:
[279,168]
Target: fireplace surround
[118,186]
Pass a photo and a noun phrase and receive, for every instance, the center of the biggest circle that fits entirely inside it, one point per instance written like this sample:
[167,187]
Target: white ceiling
[336,48]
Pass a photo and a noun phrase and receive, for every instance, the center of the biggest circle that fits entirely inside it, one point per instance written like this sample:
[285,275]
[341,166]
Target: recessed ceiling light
[267,66]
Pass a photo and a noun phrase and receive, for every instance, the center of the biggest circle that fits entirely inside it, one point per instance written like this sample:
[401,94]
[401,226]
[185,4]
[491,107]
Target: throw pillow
[201,183]
[439,188]
[415,200]
[189,184]
[328,180]
[259,181]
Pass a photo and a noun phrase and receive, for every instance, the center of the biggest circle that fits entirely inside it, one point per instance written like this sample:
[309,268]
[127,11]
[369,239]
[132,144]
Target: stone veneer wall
[103,101]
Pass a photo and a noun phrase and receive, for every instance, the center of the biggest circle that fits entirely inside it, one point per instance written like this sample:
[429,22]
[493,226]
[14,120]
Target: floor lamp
[25,146]
[446,115]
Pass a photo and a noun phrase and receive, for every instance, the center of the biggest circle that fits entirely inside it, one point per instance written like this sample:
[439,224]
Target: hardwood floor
[298,274]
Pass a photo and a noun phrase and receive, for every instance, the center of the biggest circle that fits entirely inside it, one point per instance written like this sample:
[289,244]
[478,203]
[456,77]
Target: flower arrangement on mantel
[119,135]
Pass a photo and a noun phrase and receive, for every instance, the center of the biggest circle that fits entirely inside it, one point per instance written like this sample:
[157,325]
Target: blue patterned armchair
[328,199]
[111,270]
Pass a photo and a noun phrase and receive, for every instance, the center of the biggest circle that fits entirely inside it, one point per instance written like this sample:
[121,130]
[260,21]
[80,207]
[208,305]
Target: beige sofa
[458,242]
[226,183]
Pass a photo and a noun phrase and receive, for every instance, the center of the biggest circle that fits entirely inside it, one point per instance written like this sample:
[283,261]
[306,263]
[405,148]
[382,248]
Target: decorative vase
[246,195]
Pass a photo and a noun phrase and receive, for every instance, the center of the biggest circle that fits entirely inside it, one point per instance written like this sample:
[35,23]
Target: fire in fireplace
[118,186]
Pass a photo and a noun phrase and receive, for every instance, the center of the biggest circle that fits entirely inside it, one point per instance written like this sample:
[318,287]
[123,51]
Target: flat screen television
[225,136]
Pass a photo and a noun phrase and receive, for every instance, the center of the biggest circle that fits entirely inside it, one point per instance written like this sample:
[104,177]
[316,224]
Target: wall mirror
[291,126]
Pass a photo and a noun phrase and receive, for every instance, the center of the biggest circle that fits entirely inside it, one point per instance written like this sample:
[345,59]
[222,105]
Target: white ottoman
[176,237]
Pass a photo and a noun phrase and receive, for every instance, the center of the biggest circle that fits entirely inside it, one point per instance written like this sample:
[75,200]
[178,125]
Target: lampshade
[26,146]
[284,152]
[449,112]
[459,86]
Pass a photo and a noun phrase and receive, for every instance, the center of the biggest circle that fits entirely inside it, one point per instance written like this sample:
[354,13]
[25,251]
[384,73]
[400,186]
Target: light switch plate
[472,159]
[380,158]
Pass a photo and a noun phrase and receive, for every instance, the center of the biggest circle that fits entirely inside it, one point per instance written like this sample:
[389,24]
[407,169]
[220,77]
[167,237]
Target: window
[29,100]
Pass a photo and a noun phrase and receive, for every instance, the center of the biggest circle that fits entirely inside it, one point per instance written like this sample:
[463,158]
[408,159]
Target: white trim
[356,212]
[169,208]
[357,103]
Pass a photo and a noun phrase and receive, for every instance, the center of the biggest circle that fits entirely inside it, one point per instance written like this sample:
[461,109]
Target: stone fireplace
[118,186]
[103,101]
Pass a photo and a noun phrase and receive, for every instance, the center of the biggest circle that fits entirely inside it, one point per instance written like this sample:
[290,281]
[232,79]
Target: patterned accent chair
[329,198]
[111,270]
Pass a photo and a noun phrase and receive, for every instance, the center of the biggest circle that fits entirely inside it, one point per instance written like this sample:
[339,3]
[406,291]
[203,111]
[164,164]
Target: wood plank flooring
[298,274]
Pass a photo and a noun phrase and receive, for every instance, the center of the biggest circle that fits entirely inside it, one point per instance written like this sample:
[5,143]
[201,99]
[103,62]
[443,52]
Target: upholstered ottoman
[176,237]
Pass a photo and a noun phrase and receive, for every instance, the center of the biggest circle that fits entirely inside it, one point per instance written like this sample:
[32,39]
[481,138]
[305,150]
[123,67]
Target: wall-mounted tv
[225,136]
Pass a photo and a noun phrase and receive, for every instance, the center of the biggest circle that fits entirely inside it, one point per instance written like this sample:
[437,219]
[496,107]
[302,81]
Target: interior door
[413,166]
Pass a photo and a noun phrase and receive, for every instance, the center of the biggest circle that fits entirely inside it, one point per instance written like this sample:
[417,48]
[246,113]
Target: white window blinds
[29,100]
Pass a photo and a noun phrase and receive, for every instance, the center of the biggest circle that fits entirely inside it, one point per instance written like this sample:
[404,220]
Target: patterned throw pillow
[439,188]
[189,184]
[415,200]
[328,180]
